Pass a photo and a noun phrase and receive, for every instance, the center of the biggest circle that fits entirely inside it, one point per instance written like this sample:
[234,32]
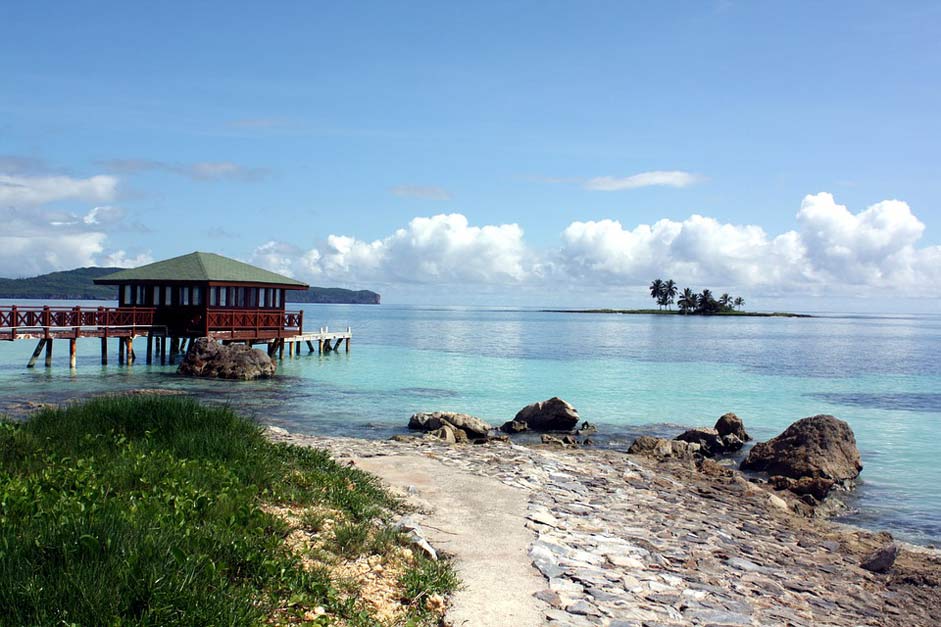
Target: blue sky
[261,131]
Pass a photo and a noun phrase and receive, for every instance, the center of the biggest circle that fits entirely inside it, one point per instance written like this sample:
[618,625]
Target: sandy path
[480,522]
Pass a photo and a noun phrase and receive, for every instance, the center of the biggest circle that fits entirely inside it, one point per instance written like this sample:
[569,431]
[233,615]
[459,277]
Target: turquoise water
[629,374]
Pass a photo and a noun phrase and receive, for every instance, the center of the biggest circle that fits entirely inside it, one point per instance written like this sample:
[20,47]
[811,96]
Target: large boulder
[730,424]
[551,415]
[473,427]
[207,358]
[818,447]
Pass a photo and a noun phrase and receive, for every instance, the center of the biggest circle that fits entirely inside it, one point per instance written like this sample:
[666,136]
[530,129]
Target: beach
[622,540]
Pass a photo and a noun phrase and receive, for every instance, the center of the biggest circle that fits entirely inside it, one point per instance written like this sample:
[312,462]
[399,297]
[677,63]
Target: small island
[690,304]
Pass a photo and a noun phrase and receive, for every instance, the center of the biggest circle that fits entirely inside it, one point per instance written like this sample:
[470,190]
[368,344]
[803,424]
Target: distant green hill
[66,285]
[77,285]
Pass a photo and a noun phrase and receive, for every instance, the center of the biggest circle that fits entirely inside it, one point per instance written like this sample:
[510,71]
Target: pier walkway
[282,331]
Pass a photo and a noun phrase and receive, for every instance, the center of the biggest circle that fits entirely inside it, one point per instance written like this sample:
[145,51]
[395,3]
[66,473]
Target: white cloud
[120,259]
[671,178]
[32,191]
[443,249]
[831,250]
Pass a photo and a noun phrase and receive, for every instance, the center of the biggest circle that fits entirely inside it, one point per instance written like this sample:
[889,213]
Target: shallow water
[630,374]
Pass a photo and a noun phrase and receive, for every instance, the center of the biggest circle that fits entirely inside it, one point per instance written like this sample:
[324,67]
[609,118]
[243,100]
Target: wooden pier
[281,331]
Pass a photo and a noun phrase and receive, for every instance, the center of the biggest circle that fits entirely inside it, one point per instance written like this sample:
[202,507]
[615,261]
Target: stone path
[624,543]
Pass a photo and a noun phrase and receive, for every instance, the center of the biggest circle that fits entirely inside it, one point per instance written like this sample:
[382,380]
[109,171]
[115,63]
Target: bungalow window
[168,295]
[127,294]
[277,298]
[213,296]
[263,297]
[240,297]
[197,296]
[223,296]
[184,296]
[141,295]
[156,295]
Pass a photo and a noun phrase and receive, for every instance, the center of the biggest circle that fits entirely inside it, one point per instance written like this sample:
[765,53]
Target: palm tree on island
[688,301]
[725,300]
[739,302]
[656,291]
[668,293]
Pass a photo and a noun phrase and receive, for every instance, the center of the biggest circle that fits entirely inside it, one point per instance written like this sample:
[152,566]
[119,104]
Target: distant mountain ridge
[78,284]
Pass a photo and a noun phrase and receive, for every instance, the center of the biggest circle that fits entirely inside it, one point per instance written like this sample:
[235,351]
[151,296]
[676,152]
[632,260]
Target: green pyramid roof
[200,267]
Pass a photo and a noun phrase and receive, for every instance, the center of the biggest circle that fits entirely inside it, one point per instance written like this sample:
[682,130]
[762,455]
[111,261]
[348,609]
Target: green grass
[148,511]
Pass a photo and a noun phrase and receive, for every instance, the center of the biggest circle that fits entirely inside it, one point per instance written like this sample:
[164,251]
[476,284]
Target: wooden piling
[163,350]
[347,345]
[73,350]
[310,346]
[120,351]
[104,351]
[49,353]
[131,357]
[281,349]
[37,352]
[150,349]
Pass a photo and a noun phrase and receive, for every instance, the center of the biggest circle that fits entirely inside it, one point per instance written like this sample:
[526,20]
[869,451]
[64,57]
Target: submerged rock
[514,426]
[818,447]
[474,428]
[730,424]
[726,437]
[207,358]
[549,415]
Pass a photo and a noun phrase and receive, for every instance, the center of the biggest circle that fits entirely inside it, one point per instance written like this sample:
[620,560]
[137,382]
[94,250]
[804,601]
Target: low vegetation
[161,511]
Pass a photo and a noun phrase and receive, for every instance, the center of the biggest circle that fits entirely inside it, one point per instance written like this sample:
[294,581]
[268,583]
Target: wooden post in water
[281,349]
[130,350]
[36,353]
[347,345]
[163,350]
[121,351]
[104,351]
[150,348]
[49,353]
[310,346]
[72,352]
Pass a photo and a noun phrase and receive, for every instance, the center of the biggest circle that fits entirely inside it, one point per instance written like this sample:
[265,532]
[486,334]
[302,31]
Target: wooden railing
[254,319]
[14,318]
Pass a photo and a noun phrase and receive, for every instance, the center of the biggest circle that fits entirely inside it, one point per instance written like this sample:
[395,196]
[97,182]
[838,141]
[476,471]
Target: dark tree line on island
[666,293]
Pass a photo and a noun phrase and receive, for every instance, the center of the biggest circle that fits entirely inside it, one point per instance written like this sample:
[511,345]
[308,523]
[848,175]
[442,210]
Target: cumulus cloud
[200,171]
[32,191]
[671,178]
[421,191]
[443,249]
[831,249]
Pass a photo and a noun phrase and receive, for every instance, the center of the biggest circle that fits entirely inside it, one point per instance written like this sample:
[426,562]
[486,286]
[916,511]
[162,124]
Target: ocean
[629,374]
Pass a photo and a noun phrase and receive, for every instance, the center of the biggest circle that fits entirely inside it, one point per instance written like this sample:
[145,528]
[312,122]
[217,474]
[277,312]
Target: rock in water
[708,440]
[207,358]
[514,426]
[551,415]
[473,427]
[730,424]
[881,560]
[818,447]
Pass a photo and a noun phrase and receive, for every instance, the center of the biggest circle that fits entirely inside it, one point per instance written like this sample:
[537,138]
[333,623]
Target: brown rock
[554,414]
[473,427]
[207,358]
[882,559]
[514,426]
[730,424]
[820,446]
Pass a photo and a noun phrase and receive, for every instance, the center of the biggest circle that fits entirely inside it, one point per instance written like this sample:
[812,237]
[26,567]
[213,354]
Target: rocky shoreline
[625,541]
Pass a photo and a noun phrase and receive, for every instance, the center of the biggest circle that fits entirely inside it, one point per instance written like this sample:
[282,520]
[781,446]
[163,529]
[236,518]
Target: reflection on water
[629,374]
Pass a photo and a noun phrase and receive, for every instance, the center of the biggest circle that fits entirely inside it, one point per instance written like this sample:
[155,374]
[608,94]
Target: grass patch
[160,511]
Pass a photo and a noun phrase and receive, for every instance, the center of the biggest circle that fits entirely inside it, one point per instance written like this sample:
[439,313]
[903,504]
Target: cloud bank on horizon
[832,249]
